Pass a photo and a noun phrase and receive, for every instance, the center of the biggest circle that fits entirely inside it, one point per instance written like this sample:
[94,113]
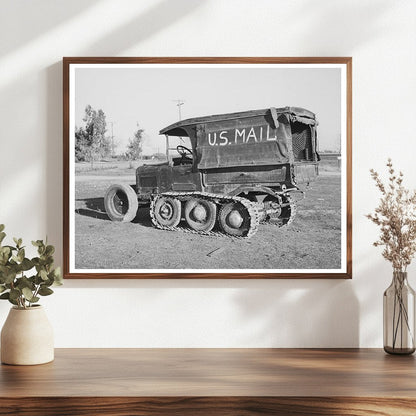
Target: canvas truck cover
[250,138]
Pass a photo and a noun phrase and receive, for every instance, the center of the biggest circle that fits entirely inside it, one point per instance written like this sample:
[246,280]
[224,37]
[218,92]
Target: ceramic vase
[27,337]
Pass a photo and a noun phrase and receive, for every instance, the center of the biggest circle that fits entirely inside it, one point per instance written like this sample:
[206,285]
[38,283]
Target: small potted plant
[27,336]
[396,218]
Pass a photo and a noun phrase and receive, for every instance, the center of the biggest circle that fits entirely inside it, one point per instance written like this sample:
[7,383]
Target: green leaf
[48,260]
[2,288]
[49,250]
[24,282]
[9,277]
[48,282]
[27,293]
[2,236]
[11,248]
[2,227]
[38,280]
[58,280]
[13,302]
[37,243]
[18,242]
[5,250]
[4,255]
[26,264]
[21,255]
[10,268]
[43,274]
[15,294]
[45,291]
[5,295]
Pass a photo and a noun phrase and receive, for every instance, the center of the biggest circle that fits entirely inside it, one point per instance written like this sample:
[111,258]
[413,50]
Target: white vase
[27,337]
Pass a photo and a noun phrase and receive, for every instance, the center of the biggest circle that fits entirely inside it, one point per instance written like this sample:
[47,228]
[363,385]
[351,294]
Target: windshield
[174,142]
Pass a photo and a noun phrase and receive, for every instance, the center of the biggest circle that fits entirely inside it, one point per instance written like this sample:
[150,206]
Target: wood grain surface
[208,406]
[212,381]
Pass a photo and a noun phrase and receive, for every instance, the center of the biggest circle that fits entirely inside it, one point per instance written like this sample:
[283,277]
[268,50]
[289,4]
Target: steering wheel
[183,151]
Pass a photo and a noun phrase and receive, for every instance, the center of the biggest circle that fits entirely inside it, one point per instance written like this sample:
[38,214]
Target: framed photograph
[207,168]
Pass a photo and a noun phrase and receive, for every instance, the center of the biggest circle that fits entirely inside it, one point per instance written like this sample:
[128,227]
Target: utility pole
[141,141]
[112,138]
[179,103]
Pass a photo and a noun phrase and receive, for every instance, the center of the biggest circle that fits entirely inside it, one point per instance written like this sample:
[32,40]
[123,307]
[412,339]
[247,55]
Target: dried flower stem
[396,217]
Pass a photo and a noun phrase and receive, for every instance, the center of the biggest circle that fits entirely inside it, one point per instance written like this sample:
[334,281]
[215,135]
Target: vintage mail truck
[228,173]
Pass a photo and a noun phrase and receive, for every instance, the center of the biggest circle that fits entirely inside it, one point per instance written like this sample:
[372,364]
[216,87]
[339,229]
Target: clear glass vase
[399,316]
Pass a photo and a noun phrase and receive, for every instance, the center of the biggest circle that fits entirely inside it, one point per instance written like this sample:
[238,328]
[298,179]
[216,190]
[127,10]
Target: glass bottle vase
[399,316]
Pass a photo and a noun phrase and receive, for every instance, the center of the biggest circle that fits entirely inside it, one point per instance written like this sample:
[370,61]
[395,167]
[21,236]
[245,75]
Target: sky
[146,95]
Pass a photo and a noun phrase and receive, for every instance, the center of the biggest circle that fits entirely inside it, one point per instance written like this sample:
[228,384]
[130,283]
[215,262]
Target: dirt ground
[312,241]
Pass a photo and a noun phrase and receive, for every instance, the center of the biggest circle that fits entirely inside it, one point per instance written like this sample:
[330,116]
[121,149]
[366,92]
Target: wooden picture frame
[154,90]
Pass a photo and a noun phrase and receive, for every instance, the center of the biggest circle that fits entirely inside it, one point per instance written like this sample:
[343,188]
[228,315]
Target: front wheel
[121,203]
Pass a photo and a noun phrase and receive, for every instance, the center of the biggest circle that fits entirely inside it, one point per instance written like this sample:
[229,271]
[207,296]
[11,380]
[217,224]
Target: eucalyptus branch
[16,284]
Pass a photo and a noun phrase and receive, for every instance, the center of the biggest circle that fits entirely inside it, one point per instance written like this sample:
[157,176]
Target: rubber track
[280,223]
[252,208]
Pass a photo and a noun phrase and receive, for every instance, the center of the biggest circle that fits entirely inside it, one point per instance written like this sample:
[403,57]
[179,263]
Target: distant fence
[86,166]
[330,155]
[332,160]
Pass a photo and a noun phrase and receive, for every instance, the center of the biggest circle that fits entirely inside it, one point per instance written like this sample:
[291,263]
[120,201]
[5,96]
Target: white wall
[380,35]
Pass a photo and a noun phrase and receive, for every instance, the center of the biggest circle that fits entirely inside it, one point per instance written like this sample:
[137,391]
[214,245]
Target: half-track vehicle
[228,173]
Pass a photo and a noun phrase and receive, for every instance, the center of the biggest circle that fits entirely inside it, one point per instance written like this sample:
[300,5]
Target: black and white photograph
[207,168]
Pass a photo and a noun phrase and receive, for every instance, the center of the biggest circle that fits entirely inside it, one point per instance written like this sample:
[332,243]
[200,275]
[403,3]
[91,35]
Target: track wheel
[167,211]
[288,212]
[234,219]
[120,203]
[272,209]
[200,214]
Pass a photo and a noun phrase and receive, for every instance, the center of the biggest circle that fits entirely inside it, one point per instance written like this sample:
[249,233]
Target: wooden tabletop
[359,376]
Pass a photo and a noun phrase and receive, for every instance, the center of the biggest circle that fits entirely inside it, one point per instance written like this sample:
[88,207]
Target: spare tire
[120,203]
